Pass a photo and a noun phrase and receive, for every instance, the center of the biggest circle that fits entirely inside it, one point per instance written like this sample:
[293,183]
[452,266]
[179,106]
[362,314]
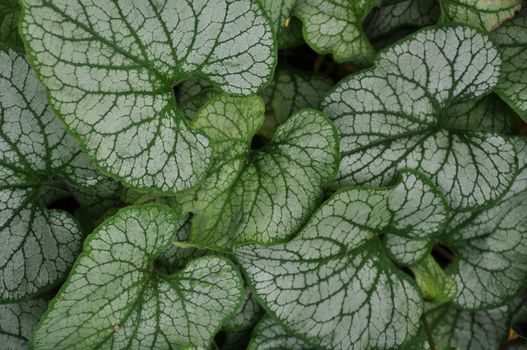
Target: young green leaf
[289,91]
[269,335]
[335,26]
[490,246]
[9,12]
[393,116]
[482,14]
[260,195]
[436,285]
[468,330]
[333,284]
[37,245]
[288,30]
[17,322]
[109,68]
[512,40]
[115,299]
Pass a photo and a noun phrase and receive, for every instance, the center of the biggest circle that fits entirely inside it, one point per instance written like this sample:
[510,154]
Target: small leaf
[110,66]
[512,39]
[269,335]
[490,246]
[114,298]
[17,322]
[437,287]
[289,91]
[288,30]
[37,245]
[482,14]
[9,12]
[260,195]
[336,27]
[392,116]
[333,284]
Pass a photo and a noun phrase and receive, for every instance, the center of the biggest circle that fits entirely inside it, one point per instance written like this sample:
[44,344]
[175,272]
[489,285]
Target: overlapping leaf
[260,195]
[287,29]
[115,299]
[17,322]
[109,68]
[490,246]
[333,284]
[247,316]
[37,245]
[269,335]
[512,40]
[395,115]
[482,14]
[335,26]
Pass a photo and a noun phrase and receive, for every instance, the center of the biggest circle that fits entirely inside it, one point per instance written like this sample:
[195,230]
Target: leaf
[37,245]
[468,330]
[490,246]
[406,251]
[401,15]
[288,30]
[332,284]
[512,40]
[482,14]
[114,298]
[260,195]
[336,27]
[247,316]
[269,335]
[17,322]
[437,287]
[111,81]
[289,91]
[9,12]
[392,116]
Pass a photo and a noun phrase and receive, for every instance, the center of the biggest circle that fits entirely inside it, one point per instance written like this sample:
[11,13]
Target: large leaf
[490,246]
[333,284]
[115,299]
[483,14]
[396,115]
[335,26]
[260,195]
[269,335]
[17,322]
[9,12]
[37,245]
[289,91]
[109,68]
[512,39]
[287,29]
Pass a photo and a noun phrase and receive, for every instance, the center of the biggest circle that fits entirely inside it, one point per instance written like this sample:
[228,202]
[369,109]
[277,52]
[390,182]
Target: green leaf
[288,30]
[436,286]
[17,322]
[392,116]
[37,245]
[512,40]
[468,330]
[9,12]
[386,19]
[490,246]
[482,14]
[247,316]
[269,335]
[333,284]
[289,91]
[110,66]
[336,27]
[260,195]
[115,299]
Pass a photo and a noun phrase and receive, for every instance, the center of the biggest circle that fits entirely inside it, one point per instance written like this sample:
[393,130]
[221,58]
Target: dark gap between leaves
[258,142]
[68,204]
[442,255]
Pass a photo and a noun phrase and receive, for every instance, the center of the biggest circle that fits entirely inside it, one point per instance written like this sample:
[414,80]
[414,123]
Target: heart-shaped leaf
[269,335]
[512,40]
[482,14]
[114,298]
[395,115]
[110,66]
[17,322]
[9,12]
[37,245]
[336,27]
[260,195]
[490,246]
[332,284]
